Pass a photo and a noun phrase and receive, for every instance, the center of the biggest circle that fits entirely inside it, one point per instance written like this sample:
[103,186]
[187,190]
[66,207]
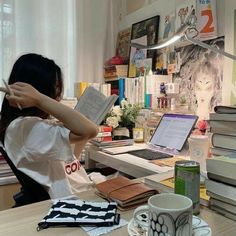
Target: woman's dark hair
[40,72]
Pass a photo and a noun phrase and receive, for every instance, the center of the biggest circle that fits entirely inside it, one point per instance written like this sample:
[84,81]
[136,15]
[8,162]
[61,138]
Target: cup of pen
[167,214]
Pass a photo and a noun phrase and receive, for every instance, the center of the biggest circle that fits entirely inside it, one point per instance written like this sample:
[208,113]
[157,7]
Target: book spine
[103,134]
[103,139]
[121,89]
[104,129]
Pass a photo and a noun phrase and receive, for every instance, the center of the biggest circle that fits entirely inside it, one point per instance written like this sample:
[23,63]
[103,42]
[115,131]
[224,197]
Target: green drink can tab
[187,182]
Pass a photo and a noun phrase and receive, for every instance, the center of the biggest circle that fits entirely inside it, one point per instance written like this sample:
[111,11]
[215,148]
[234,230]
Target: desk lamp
[180,35]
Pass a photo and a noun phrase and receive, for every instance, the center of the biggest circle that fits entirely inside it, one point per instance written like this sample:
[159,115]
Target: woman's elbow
[92,131]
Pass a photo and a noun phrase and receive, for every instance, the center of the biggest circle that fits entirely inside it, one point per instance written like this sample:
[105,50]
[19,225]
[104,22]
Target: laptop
[169,137]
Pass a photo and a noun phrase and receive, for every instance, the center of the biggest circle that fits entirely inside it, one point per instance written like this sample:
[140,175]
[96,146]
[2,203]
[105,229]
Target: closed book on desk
[215,151]
[223,205]
[224,141]
[225,109]
[224,212]
[223,127]
[221,198]
[222,117]
[113,143]
[222,168]
[221,189]
[125,192]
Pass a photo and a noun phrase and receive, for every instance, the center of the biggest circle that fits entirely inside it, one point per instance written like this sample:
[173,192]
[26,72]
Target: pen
[11,92]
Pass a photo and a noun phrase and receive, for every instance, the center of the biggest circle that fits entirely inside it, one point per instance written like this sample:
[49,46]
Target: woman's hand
[23,94]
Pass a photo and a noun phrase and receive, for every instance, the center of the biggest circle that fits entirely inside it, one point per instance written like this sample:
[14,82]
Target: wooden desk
[24,220]
[126,163]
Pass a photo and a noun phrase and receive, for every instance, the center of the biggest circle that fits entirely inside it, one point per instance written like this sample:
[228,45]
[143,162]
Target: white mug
[198,149]
[169,214]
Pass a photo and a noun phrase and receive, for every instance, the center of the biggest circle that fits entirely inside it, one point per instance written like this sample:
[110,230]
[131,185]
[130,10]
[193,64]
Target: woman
[37,145]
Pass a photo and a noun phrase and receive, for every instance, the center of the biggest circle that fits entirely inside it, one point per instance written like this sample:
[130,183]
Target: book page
[108,103]
[94,105]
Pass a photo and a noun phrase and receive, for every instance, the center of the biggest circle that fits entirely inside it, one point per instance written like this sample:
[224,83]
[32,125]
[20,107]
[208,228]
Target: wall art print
[148,29]
[200,76]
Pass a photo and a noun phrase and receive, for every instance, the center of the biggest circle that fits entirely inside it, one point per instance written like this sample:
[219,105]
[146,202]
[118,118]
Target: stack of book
[113,143]
[223,128]
[221,185]
[113,71]
[104,134]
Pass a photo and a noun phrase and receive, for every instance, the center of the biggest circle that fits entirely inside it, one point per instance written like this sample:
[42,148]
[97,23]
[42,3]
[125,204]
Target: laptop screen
[173,131]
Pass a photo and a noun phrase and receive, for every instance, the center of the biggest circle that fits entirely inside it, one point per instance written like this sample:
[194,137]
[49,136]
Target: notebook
[169,137]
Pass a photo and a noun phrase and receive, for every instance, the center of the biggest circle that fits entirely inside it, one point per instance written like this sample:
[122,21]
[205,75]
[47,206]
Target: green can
[187,182]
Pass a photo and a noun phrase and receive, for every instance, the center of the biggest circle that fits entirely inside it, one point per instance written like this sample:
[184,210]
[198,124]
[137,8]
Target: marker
[11,92]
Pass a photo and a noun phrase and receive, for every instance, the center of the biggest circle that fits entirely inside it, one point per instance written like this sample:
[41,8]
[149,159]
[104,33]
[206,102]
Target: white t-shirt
[41,149]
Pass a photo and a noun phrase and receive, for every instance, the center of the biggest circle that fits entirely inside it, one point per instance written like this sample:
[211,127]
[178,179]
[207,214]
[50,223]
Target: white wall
[229,43]
[225,20]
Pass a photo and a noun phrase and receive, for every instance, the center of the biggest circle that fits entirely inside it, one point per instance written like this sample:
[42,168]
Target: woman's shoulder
[24,120]
[30,122]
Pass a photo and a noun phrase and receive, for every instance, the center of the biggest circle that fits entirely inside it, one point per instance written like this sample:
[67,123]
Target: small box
[172,88]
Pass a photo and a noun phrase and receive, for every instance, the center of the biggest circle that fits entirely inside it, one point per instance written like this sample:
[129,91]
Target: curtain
[79,35]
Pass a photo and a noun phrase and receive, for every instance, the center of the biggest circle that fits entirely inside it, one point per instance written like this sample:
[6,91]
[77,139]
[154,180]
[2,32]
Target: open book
[95,105]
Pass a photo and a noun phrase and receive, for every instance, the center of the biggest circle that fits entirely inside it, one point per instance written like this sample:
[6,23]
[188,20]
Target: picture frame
[145,31]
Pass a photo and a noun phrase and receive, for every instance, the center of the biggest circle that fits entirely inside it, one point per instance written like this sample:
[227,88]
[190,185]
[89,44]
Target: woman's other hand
[23,94]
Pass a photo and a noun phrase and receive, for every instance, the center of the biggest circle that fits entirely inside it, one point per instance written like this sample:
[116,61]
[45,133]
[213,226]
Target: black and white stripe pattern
[82,212]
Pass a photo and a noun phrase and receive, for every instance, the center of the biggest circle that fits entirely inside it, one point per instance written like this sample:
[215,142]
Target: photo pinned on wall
[172,62]
[161,63]
[123,44]
[167,29]
[144,30]
[136,55]
[142,66]
[187,12]
[206,19]
[200,76]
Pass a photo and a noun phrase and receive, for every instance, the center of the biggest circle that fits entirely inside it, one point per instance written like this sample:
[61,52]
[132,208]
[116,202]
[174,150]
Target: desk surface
[126,163]
[23,221]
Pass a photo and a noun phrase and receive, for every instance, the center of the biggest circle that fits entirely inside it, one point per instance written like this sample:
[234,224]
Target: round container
[187,182]
[138,135]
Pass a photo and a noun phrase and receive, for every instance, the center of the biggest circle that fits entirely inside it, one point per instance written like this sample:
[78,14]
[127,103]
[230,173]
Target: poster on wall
[168,27]
[206,19]
[233,91]
[123,44]
[200,77]
[186,13]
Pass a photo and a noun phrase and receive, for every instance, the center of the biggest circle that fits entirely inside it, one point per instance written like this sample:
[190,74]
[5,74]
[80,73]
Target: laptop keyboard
[149,154]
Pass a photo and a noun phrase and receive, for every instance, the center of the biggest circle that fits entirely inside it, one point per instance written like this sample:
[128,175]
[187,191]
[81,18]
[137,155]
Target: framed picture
[144,32]
[123,44]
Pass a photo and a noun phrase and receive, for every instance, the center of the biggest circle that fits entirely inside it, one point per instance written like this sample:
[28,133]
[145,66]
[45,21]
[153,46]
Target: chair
[31,191]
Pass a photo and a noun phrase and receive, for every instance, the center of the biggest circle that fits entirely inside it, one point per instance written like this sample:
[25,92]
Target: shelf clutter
[6,174]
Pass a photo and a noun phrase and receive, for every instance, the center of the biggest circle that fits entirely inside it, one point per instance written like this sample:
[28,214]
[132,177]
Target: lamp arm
[141,46]
[214,49]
